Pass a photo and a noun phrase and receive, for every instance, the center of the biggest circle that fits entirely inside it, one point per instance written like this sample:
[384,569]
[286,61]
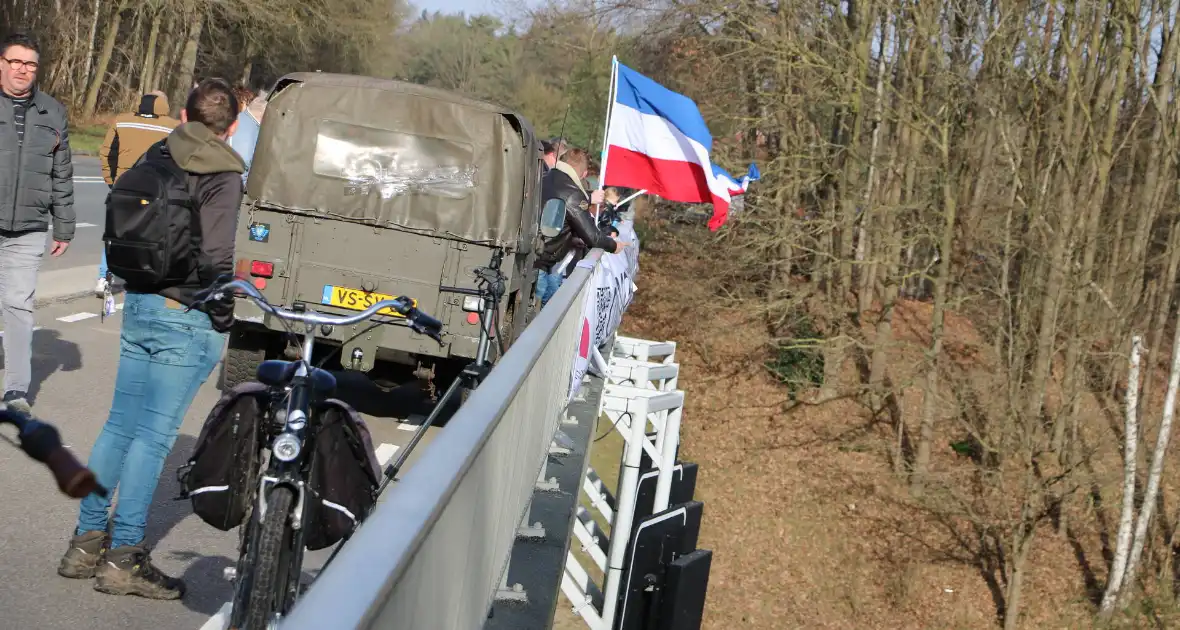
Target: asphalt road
[90,194]
[75,272]
[74,366]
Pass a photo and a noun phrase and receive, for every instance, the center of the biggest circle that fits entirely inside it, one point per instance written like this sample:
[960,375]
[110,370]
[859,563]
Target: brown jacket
[132,134]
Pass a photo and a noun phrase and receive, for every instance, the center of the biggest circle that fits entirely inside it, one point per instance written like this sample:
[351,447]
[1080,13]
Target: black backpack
[152,234]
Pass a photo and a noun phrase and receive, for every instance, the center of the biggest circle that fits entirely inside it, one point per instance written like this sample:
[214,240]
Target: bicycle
[267,575]
[42,442]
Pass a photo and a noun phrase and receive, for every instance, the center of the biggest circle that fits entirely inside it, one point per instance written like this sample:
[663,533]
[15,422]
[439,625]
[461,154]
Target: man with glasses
[36,183]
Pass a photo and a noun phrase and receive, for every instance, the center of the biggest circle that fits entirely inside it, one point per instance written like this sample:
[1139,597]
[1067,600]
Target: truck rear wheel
[245,351]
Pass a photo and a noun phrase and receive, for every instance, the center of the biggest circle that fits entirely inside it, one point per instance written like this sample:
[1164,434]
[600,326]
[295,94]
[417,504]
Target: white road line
[219,621]
[385,453]
[76,317]
[78,225]
[406,426]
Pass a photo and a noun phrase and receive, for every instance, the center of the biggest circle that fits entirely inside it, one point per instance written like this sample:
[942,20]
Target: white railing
[639,392]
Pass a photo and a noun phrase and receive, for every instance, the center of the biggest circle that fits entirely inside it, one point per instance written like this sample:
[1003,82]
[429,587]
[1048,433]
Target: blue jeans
[547,284]
[165,355]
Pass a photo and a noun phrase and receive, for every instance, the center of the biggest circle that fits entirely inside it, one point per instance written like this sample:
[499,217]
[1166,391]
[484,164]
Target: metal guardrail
[432,554]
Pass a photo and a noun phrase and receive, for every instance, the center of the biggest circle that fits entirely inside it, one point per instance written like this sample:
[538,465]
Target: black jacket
[215,183]
[579,231]
[36,175]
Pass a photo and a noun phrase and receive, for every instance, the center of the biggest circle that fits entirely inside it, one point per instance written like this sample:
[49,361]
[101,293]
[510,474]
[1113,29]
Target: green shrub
[798,362]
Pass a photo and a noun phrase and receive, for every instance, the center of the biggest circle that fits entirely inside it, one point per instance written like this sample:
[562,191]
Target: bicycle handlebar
[419,322]
[42,442]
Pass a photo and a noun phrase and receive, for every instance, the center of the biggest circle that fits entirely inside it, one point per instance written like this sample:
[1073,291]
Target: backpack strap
[159,153]
[187,201]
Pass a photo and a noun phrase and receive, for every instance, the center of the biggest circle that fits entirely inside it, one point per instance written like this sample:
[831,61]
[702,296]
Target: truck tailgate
[340,267]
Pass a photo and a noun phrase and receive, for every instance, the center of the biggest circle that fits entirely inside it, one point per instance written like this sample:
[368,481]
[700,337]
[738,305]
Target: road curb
[65,285]
[61,299]
[70,297]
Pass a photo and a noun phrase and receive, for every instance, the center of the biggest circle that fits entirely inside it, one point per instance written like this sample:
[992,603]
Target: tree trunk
[1157,470]
[941,285]
[858,19]
[1154,182]
[1089,237]
[104,58]
[90,42]
[147,78]
[1130,453]
[188,61]
[1015,592]
[868,269]
[1059,250]
[248,62]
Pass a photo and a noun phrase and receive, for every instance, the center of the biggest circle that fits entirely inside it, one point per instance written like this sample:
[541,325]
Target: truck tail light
[262,269]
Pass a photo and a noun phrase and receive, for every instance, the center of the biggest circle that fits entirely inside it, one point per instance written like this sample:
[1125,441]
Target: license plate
[357,300]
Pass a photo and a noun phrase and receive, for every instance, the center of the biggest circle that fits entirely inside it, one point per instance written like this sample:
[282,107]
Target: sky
[470,7]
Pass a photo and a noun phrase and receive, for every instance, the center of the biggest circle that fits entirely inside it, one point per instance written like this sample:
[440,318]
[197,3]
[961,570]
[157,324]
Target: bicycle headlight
[286,447]
[473,304]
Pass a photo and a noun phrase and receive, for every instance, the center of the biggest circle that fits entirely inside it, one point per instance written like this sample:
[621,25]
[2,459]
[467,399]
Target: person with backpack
[129,137]
[170,232]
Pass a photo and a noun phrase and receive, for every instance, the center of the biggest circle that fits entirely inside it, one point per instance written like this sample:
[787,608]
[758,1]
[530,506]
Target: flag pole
[610,105]
[624,202]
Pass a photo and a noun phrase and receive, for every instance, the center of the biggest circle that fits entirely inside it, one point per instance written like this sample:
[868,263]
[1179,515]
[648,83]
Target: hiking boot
[128,570]
[83,556]
[18,401]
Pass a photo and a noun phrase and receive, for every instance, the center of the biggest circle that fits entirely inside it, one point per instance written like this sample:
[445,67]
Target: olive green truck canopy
[397,155]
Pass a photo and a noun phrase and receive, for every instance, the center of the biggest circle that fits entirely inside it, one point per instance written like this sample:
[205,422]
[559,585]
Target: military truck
[363,188]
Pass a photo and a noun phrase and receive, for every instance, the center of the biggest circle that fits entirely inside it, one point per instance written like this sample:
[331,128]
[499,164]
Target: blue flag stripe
[641,93]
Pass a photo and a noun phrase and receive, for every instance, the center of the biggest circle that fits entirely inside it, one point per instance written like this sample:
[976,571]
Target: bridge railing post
[638,392]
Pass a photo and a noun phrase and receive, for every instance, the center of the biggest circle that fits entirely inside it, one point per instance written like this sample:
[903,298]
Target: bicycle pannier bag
[345,476]
[221,474]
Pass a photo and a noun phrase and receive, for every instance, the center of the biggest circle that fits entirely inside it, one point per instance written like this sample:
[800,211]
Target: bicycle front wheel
[266,590]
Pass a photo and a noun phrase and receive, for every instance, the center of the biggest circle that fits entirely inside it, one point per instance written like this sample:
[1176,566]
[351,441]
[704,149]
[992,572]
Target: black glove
[220,312]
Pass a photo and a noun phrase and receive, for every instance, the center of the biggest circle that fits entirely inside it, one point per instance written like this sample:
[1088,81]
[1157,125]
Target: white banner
[611,290]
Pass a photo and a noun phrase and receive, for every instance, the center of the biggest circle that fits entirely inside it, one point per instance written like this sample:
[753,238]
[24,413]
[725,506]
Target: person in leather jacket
[579,233]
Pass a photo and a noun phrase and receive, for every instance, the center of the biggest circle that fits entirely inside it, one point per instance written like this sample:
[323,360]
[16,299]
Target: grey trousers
[20,260]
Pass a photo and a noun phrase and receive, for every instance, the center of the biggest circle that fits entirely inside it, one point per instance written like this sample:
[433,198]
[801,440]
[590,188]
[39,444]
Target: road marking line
[78,225]
[406,426]
[76,317]
[385,453]
[220,620]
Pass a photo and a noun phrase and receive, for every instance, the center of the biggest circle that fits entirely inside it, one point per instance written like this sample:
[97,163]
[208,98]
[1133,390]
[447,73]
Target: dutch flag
[657,140]
[735,186]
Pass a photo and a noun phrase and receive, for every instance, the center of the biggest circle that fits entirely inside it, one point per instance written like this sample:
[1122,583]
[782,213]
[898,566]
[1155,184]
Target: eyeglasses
[17,64]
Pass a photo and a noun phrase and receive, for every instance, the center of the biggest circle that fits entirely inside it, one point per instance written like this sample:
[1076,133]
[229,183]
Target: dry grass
[809,526]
